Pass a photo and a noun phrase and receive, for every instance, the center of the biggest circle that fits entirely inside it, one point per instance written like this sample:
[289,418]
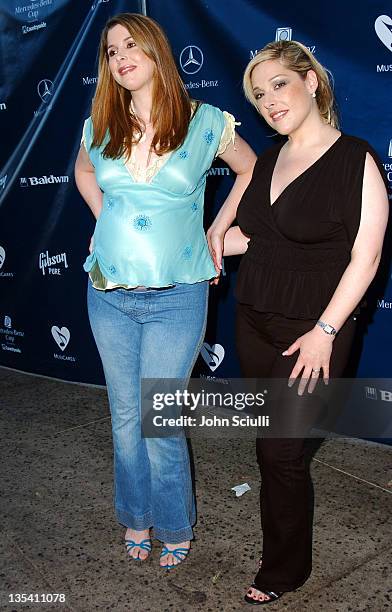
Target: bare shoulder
[375,204]
[372,178]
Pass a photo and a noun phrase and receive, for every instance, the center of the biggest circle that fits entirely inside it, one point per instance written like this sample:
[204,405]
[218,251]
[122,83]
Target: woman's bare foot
[138,543]
[255,596]
[173,554]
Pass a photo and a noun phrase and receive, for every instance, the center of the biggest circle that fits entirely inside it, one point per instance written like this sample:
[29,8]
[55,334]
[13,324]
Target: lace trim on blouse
[228,134]
[145,174]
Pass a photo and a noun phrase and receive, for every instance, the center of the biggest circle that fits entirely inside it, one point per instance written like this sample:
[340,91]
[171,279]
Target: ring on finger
[316,371]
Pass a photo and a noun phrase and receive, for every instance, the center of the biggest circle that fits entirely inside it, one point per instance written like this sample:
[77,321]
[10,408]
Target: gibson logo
[45,261]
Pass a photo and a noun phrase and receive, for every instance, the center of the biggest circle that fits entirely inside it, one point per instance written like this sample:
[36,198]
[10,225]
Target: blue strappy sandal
[179,553]
[144,545]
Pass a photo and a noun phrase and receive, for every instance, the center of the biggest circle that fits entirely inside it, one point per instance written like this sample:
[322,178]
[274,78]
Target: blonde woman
[311,227]
[141,169]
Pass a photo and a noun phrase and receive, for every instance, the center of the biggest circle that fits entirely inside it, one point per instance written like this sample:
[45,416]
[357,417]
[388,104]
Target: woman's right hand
[215,240]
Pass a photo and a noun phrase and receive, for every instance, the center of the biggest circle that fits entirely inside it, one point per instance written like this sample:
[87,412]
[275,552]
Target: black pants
[286,495]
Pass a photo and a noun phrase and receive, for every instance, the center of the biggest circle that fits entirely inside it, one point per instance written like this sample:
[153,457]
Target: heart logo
[383,27]
[212,355]
[61,336]
[2,256]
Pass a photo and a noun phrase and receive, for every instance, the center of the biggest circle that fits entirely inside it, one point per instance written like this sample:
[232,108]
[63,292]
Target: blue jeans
[149,334]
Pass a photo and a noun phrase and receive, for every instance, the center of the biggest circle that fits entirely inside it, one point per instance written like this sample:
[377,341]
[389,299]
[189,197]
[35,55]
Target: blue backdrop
[48,70]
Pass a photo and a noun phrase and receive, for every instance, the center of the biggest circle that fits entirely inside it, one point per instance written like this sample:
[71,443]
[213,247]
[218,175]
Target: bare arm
[241,159]
[86,182]
[235,242]
[366,252]
[316,346]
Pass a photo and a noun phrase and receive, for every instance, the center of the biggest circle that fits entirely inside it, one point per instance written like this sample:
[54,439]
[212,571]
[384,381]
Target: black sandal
[255,602]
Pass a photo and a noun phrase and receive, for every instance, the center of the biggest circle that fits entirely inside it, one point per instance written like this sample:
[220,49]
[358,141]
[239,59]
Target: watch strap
[328,329]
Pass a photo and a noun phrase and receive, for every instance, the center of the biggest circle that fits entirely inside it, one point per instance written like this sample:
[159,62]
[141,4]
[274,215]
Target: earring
[314,94]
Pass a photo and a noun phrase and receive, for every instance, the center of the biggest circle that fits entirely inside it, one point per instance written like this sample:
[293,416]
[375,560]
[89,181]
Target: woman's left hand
[315,348]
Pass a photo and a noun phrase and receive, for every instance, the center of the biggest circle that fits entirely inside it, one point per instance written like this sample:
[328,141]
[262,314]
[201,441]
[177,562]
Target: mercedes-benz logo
[191,59]
[45,90]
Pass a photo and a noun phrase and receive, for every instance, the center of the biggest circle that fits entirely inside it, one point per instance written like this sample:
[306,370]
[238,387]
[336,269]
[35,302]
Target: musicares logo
[212,355]
[383,27]
[61,336]
[2,260]
[2,257]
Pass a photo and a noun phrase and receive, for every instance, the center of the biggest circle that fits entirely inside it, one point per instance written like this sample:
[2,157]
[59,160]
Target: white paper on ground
[241,489]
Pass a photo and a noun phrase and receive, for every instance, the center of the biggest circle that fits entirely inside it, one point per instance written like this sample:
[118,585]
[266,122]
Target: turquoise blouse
[151,234]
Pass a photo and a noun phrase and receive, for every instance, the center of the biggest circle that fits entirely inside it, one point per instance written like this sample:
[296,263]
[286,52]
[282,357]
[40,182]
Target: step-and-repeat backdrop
[48,70]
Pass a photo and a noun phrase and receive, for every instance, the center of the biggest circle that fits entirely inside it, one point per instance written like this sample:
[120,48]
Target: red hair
[171,105]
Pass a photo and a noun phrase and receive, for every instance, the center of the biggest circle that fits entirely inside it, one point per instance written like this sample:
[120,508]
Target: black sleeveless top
[300,246]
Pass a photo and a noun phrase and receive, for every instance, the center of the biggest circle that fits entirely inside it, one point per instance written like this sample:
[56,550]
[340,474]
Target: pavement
[59,535]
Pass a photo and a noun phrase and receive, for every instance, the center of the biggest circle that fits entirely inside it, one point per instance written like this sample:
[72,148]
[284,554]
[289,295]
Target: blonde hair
[296,57]
[171,105]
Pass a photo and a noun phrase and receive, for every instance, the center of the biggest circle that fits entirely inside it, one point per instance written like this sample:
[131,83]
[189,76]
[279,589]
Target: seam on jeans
[201,338]
[139,391]
[187,377]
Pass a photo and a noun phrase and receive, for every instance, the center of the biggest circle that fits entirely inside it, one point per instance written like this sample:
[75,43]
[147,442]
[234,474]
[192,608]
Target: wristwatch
[328,329]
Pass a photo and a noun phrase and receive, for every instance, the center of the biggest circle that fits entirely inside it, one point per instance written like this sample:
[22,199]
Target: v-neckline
[272,204]
[157,166]
[167,157]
